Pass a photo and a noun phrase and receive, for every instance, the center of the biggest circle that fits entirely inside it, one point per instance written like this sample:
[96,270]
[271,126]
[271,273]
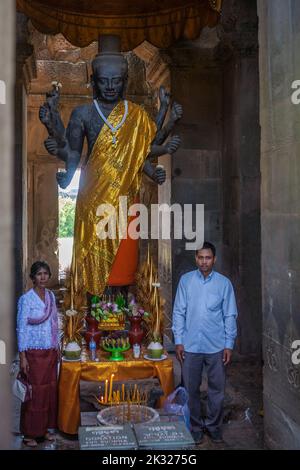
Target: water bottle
[136,351]
[92,346]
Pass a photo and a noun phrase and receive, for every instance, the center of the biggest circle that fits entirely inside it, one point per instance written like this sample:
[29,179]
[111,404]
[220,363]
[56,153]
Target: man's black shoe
[197,436]
[215,436]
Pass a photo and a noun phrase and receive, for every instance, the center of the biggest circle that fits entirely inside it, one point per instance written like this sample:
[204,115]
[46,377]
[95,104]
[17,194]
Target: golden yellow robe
[111,171]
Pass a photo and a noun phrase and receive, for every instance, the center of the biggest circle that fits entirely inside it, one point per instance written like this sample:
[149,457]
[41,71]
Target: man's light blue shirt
[204,314]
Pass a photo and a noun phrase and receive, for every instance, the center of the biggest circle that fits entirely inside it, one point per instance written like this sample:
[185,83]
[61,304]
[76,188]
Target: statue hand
[173,144]
[159,175]
[164,96]
[54,148]
[51,145]
[63,179]
[176,111]
[44,114]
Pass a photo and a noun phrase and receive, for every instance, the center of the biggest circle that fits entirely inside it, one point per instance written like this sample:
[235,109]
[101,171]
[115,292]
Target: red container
[136,332]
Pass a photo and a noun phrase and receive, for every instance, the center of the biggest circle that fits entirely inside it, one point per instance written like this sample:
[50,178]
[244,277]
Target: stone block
[207,192]
[196,163]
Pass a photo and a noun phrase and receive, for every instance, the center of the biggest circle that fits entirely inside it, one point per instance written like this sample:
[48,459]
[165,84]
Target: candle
[72,293]
[128,411]
[123,392]
[134,392]
[111,387]
[101,399]
[106,389]
[150,276]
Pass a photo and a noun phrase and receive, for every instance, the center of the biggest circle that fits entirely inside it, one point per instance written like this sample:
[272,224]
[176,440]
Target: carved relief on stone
[45,217]
[292,372]
[46,246]
[271,355]
[237,30]
[271,358]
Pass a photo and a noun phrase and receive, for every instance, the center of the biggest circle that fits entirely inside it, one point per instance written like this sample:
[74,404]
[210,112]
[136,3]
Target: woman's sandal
[49,436]
[30,442]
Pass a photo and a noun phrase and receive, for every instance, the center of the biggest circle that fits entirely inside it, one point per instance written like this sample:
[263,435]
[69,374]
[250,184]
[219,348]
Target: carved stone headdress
[110,49]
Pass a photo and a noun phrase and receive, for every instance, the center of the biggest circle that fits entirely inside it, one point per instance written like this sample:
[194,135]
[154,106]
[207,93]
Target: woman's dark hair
[36,267]
[207,246]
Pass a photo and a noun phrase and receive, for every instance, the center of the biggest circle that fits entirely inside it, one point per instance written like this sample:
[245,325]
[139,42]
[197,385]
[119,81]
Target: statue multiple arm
[67,145]
[158,174]
[75,139]
[70,153]
[50,117]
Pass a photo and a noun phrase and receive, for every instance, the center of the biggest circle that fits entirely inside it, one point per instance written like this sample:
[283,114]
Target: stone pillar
[7,219]
[25,69]
[279,32]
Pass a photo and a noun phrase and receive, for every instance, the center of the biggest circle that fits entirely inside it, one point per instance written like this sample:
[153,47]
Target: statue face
[109,80]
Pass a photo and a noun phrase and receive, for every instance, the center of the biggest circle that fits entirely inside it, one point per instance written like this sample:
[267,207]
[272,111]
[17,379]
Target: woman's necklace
[106,121]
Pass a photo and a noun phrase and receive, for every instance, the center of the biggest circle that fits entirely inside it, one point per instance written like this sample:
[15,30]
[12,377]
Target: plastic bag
[177,403]
[22,389]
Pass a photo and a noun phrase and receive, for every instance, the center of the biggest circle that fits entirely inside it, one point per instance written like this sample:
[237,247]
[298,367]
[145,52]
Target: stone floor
[243,421]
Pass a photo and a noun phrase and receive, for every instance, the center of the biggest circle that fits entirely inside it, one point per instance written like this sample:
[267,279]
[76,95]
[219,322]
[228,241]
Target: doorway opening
[66,217]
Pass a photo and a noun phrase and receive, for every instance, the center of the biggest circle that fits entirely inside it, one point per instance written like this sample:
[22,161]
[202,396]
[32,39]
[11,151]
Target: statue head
[110,70]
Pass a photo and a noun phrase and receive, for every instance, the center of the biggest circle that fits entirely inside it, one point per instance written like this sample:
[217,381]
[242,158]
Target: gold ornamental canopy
[160,22]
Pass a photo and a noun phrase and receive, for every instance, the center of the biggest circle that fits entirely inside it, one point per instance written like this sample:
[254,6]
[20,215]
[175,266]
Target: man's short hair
[207,246]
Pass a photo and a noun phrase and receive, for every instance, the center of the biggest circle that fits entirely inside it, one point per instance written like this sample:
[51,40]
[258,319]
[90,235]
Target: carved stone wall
[279,32]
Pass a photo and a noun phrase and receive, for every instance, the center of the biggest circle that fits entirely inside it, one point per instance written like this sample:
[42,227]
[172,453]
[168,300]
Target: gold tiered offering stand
[114,322]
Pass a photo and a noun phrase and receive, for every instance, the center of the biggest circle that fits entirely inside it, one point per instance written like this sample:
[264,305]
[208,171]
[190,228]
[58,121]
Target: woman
[37,329]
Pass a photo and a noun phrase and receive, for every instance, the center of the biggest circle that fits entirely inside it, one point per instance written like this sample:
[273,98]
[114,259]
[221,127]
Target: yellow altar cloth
[72,372]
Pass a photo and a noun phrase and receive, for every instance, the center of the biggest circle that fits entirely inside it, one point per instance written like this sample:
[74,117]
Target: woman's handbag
[22,389]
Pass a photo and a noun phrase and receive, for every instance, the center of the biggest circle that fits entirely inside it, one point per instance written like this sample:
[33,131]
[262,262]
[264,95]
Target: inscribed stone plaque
[107,437]
[163,436]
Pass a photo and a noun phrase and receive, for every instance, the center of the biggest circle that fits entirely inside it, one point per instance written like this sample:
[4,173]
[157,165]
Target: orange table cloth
[72,372]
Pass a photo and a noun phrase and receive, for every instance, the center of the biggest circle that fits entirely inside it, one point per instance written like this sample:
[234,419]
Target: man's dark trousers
[192,376]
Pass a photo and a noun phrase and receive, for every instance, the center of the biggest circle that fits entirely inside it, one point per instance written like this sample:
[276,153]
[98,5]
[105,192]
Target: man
[204,327]
[122,140]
